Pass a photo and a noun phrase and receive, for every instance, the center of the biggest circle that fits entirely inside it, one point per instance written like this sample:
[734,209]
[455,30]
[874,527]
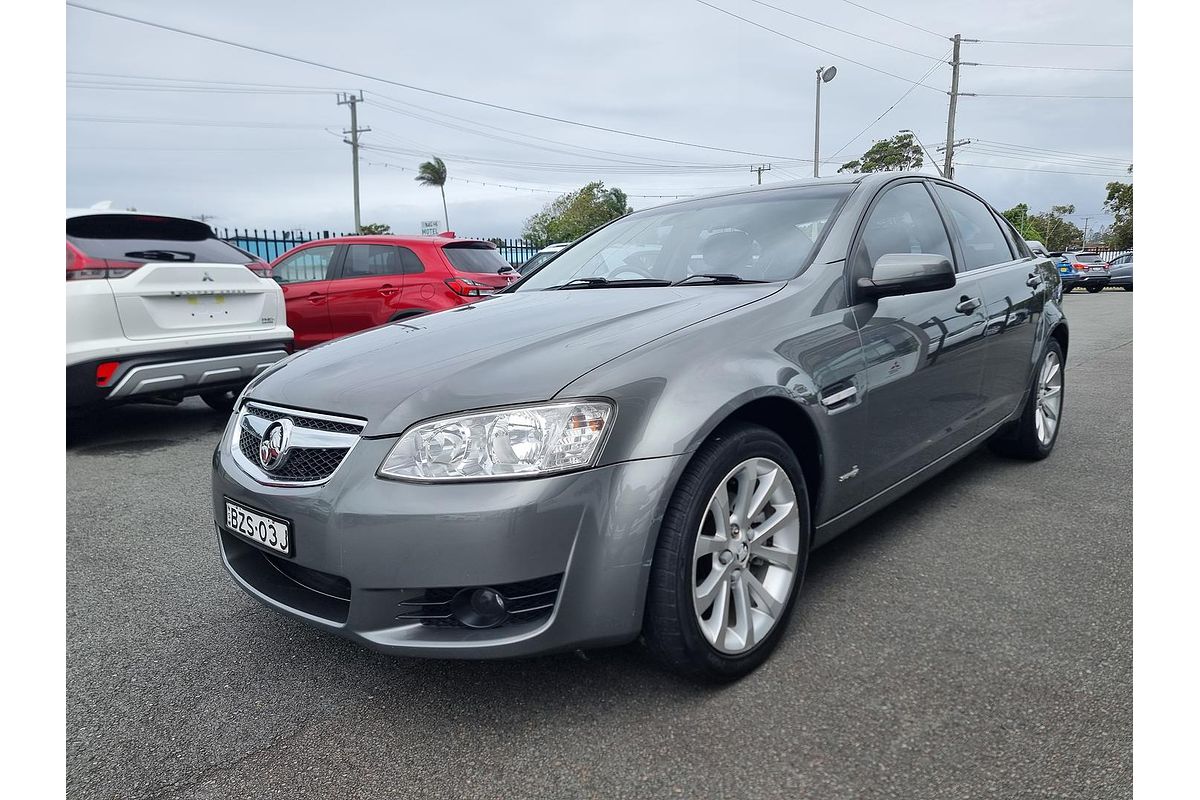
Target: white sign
[430,227]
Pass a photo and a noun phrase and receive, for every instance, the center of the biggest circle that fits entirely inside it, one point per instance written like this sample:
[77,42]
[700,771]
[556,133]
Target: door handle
[387,290]
[316,297]
[968,304]
[1034,281]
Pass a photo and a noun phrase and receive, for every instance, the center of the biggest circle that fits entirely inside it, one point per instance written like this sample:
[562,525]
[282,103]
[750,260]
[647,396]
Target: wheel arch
[409,312]
[1062,335]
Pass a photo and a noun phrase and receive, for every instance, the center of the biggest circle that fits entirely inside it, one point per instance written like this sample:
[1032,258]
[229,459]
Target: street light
[824,75]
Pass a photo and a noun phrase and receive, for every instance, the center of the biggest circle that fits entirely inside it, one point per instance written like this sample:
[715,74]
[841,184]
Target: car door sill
[829,530]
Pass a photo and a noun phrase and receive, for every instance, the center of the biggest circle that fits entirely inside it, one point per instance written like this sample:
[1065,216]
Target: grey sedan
[612,448]
[1120,272]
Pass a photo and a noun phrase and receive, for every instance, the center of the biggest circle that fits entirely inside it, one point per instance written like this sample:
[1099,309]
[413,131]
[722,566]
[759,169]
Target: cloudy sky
[162,121]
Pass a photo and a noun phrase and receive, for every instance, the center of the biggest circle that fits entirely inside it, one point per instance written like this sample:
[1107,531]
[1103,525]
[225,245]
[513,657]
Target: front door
[924,353]
[303,276]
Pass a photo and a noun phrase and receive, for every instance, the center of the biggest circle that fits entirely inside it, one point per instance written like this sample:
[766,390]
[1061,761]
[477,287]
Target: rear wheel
[731,556]
[1068,289]
[1094,289]
[1035,433]
[1127,288]
[221,401]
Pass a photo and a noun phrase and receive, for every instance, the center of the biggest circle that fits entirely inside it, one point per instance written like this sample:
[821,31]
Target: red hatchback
[333,287]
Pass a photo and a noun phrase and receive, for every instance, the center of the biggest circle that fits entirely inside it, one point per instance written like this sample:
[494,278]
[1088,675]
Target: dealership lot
[972,640]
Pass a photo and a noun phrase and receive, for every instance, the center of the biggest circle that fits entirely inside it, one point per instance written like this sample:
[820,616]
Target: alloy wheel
[1049,398]
[745,557]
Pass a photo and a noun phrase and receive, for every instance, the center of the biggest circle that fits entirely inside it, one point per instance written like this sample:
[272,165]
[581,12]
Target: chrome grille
[316,446]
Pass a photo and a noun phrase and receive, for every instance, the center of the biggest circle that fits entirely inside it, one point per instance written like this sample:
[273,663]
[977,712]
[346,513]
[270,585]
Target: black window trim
[344,261]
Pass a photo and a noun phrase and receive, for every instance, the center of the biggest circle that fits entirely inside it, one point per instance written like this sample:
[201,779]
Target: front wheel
[1034,435]
[730,558]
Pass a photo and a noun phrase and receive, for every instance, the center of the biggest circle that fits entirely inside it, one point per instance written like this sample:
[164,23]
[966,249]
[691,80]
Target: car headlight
[505,443]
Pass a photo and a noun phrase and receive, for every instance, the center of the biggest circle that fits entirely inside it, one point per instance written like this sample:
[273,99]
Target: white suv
[159,309]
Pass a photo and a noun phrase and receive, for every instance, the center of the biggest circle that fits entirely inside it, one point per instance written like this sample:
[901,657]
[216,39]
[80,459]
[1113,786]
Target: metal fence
[271,244]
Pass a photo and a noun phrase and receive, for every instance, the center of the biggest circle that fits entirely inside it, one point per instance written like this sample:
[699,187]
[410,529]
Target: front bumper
[364,548]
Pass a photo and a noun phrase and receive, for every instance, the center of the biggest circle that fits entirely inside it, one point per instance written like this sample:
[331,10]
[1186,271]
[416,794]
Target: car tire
[730,645]
[1127,288]
[221,401]
[1026,439]
[1068,289]
[1095,289]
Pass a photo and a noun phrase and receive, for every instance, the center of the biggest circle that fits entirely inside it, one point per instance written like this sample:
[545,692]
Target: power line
[843,30]
[1046,66]
[888,110]
[1032,169]
[1011,145]
[411,87]
[1026,156]
[189,122]
[1050,44]
[1058,96]
[814,47]
[895,19]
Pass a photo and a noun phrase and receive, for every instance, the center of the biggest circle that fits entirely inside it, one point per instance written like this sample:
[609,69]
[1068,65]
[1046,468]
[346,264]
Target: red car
[333,287]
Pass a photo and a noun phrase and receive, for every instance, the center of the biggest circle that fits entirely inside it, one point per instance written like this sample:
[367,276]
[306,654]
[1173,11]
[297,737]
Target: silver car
[615,446]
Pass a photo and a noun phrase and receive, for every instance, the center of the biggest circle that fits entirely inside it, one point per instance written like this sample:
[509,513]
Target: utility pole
[760,168]
[346,99]
[1085,229]
[824,75]
[948,169]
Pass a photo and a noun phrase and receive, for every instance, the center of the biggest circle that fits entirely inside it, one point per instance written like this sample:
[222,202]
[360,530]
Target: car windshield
[755,236]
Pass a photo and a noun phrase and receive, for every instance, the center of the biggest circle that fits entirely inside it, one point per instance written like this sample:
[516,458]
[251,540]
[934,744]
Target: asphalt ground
[973,640]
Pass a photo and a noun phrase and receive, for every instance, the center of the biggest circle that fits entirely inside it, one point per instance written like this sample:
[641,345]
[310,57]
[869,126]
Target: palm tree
[433,173]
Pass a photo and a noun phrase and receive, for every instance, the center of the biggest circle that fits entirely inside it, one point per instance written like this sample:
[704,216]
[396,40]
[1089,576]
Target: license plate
[270,532]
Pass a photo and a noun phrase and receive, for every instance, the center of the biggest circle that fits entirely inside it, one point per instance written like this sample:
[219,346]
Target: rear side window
[309,264]
[983,243]
[144,238]
[472,257]
[364,260]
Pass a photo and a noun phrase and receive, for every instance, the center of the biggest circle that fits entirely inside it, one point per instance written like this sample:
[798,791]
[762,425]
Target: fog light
[479,608]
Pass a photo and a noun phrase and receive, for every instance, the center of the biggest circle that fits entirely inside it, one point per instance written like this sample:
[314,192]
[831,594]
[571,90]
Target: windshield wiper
[714,277]
[597,282]
[162,255]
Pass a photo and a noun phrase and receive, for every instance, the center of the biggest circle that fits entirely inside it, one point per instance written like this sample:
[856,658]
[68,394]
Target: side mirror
[907,273]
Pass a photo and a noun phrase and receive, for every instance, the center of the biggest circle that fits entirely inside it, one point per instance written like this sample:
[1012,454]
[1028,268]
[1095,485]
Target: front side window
[904,220]
[983,243]
[756,236]
[309,264]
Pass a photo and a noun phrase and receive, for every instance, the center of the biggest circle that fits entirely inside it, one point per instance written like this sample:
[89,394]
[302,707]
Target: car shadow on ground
[140,427]
[612,675]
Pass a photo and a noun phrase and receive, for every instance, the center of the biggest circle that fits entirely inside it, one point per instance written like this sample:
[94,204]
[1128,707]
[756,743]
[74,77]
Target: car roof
[84,212]
[868,179]
[398,238]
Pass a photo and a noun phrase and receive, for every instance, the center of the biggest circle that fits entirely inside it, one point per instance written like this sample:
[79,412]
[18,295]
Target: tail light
[260,268]
[1080,267]
[465,287]
[82,267]
[104,372]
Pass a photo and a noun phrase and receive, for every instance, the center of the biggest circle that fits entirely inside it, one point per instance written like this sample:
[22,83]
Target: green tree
[1054,230]
[376,229]
[1119,203]
[433,173]
[898,153]
[569,216]
[1018,215]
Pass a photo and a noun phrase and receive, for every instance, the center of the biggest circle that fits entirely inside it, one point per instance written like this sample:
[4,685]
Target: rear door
[1015,291]
[304,276]
[366,290]
[181,280]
